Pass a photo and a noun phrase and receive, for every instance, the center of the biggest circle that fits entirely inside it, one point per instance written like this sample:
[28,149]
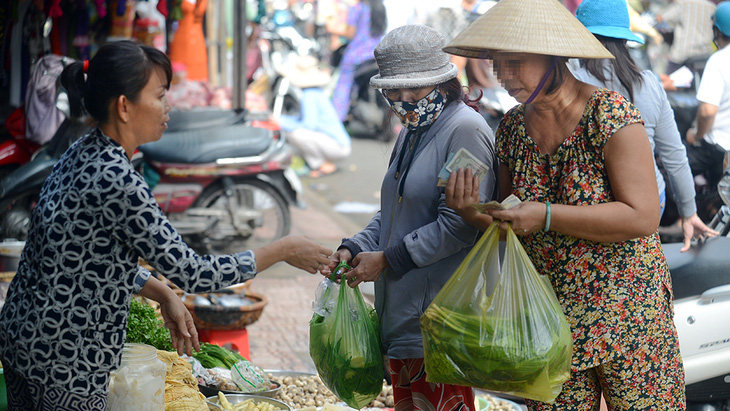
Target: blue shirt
[65,318]
[318,114]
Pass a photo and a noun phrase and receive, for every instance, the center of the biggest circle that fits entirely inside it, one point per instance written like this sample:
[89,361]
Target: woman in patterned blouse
[579,159]
[64,322]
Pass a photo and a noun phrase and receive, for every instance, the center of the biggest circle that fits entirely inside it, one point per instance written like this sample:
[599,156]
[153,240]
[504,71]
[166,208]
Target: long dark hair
[378,19]
[454,91]
[118,68]
[623,65]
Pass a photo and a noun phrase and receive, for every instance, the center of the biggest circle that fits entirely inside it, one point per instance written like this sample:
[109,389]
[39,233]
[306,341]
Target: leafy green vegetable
[345,348]
[516,340]
[146,327]
[212,355]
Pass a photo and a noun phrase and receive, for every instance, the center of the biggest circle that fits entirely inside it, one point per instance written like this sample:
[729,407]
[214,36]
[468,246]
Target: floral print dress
[613,294]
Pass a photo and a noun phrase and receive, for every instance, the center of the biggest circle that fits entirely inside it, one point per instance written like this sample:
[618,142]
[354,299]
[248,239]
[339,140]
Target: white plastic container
[139,383]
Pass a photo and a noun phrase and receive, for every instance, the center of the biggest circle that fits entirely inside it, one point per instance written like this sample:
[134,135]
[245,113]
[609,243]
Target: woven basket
[216,317]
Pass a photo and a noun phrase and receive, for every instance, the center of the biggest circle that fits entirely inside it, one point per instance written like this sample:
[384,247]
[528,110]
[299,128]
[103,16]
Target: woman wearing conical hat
[579,159]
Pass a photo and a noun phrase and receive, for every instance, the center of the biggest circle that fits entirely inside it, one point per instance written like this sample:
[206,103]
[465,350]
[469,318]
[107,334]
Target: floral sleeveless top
[607,290]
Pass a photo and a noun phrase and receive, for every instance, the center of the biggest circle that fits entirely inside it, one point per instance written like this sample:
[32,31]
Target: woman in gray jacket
[415,242]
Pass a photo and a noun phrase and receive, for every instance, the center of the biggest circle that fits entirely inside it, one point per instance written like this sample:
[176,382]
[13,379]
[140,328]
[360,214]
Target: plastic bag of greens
[345,345]
[514,340]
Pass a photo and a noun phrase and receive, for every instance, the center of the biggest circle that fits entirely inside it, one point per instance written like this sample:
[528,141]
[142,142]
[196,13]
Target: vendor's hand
[367,266]
[461,191]
[343,254]
[524,218]
[178,320]
[693,227]
[305,254]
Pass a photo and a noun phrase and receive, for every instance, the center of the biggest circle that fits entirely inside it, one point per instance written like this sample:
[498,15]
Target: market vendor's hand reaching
[343,254]
[367,266]
[178,320]
[524,218]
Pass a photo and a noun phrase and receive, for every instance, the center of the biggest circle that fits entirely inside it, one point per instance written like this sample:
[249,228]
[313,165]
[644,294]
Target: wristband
[547,217]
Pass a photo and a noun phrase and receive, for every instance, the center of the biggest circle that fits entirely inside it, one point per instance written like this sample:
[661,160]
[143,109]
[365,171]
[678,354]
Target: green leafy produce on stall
[146,327]
[212,355]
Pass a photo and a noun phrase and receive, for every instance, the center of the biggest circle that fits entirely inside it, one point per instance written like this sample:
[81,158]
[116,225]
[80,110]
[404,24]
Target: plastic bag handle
[342,265]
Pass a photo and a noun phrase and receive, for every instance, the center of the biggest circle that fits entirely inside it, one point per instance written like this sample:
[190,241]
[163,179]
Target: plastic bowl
[238,398]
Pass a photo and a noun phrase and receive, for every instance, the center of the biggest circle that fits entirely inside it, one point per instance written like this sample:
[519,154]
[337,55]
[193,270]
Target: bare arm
[705,119]
[296,250]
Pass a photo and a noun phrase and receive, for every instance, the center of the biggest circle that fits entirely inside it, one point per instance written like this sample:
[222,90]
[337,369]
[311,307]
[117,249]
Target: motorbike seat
[203,119]
[702,267]
[208,145]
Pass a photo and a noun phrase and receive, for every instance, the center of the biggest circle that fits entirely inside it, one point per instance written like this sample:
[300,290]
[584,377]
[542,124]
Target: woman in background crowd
[608,20]
[365,26]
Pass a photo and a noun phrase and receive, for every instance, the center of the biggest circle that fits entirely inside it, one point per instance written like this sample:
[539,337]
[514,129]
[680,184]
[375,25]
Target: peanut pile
[310,391]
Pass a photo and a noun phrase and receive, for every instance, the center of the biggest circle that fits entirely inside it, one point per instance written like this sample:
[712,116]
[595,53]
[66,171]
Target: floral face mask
[422,113]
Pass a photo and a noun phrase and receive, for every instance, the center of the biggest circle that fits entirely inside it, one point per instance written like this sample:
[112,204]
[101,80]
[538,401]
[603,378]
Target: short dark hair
[118,68]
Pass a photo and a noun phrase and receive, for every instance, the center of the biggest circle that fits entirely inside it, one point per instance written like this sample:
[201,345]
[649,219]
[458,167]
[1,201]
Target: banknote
[507,203]
[444,173]
[462,159]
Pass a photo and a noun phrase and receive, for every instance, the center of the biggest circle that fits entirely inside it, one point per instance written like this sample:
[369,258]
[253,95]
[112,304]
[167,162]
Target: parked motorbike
[19,189]
[221,177]
[224,189]
[15,149]
[369,113]
[701,283]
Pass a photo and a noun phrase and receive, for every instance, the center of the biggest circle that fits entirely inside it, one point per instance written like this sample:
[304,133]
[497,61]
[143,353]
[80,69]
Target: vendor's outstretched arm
[296,250]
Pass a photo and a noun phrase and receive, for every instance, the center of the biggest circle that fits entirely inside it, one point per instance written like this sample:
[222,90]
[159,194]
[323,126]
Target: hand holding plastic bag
[344,343]
[516,340]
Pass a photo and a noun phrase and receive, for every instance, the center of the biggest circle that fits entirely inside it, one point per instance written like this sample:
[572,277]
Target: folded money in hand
[462,159]
[508,202]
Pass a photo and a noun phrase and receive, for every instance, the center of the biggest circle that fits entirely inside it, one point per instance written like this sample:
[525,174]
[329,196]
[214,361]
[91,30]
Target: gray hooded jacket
[424,241]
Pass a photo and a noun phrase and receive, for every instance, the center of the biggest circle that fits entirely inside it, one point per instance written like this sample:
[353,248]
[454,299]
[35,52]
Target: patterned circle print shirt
[64,321]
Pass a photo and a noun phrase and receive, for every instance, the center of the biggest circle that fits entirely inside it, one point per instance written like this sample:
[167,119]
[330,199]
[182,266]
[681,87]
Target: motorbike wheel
[15,219]
[266,217]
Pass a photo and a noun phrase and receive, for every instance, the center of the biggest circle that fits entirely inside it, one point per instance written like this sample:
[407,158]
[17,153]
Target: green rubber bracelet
[547,217]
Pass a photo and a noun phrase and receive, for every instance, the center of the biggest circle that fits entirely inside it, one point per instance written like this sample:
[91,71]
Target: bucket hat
[527,26]
[722,18]
[410,56]
[305,73]
[608,18]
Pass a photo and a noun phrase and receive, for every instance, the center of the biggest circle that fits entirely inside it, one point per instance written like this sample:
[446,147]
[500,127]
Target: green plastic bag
[515,341]
[344,343]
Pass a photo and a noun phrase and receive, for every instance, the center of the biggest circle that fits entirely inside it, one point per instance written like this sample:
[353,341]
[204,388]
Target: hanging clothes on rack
[188,45]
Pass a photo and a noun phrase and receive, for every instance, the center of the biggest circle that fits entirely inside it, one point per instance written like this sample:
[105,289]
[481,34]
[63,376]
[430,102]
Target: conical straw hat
[527,26]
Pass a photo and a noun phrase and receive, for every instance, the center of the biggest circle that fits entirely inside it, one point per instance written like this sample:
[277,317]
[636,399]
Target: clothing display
[188,45]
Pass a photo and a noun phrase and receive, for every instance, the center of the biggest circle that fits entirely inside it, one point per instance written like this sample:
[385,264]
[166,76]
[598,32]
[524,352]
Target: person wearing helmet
[710,139]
